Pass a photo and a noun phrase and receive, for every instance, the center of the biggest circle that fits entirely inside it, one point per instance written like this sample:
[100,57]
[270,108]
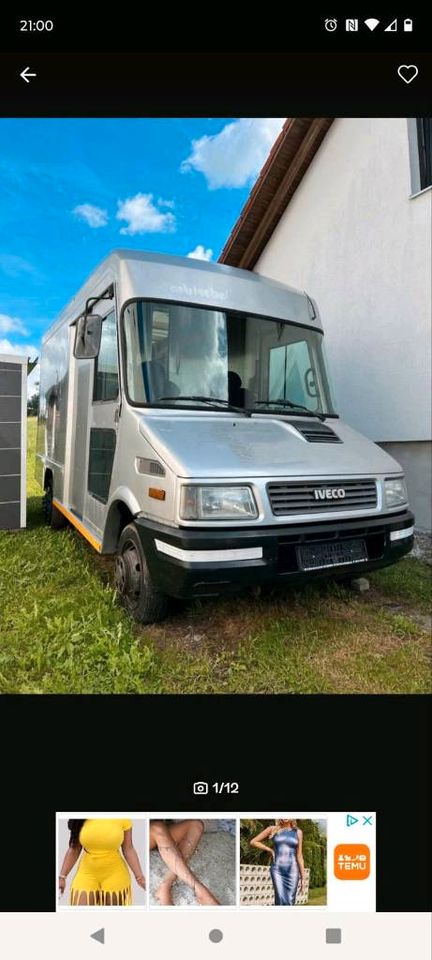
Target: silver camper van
[187,427]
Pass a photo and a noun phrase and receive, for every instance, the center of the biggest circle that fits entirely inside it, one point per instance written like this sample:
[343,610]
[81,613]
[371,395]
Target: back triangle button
[99,935]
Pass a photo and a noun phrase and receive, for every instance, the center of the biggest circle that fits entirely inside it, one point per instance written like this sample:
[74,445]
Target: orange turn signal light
[156,493]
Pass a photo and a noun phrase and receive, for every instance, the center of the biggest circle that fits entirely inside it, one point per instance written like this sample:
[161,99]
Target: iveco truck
[187,427]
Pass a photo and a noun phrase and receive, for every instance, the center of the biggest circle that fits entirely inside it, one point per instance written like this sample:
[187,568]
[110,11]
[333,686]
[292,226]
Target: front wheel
[135,586]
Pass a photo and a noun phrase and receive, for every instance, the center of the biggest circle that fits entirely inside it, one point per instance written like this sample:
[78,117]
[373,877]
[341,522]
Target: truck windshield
[175,351]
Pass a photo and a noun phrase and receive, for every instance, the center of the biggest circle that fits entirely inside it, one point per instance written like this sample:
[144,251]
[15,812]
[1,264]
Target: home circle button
[215,936]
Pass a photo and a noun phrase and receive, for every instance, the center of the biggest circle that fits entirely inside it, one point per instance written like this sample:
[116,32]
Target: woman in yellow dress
[102,878]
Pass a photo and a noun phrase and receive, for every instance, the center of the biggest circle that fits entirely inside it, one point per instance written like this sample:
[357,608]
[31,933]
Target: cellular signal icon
[372,23]
[392,27]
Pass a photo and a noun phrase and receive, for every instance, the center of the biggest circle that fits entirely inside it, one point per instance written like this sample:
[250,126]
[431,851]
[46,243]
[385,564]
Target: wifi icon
[372,23]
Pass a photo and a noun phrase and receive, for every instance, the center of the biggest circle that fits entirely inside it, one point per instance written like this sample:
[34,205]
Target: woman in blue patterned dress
[287,869]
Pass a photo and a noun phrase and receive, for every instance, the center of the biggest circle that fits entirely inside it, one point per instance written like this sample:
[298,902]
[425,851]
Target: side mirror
[88,336]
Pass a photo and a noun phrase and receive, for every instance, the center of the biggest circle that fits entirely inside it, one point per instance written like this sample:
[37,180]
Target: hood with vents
[212,445]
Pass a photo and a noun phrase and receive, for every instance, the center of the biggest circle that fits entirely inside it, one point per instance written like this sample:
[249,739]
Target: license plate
[318,556]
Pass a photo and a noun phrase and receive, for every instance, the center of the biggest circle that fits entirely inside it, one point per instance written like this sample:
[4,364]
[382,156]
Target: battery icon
[408,25]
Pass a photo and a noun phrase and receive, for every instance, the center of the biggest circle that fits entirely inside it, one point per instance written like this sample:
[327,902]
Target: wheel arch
[123,507]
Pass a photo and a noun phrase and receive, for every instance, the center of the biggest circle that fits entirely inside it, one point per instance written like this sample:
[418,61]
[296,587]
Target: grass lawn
[317,897]
[62,632]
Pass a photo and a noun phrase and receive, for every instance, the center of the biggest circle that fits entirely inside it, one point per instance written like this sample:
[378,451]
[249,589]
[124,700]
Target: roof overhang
[285,167]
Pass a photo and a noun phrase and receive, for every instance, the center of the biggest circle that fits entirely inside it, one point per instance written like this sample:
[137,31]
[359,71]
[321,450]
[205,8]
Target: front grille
[316,432]
[299,498]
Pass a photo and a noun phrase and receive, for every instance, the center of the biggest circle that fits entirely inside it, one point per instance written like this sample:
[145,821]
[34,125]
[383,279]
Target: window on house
[424,140]
[420,152]
[106,363]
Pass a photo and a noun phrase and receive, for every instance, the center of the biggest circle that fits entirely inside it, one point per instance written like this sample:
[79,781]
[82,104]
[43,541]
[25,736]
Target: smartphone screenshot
[215,489]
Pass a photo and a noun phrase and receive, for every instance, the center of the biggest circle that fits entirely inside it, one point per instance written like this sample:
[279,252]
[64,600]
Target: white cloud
[166,203]
[93,216]
[13,266]
[200,253]
[24,350]
[143,216]
[11,325]
[234,156]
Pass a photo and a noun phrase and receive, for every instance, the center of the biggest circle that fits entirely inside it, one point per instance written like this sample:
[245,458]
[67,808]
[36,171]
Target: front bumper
[173,553]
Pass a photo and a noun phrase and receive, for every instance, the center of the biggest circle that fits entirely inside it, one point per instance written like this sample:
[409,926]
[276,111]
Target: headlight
[217,503]
[395,492]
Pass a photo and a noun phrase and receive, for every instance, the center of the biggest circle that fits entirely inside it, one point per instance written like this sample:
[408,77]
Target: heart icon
[407,72]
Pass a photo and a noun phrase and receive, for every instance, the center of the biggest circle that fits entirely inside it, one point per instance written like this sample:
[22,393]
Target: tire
[136,590]
[53,517]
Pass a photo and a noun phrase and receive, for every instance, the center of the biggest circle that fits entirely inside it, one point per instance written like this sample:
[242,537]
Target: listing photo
[192,863]
[101,862]
[283,863]
[215,418]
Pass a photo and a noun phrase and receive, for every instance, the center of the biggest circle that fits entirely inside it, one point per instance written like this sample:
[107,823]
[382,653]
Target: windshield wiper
[289,403]
[212,401]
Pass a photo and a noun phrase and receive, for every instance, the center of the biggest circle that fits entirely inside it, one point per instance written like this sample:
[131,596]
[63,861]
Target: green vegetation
[408,582]
[314,852]
[317,897]
[33,405]
[62,631]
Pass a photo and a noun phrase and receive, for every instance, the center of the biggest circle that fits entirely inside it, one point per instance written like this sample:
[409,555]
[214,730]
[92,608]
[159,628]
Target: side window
[101,458]
[106,383]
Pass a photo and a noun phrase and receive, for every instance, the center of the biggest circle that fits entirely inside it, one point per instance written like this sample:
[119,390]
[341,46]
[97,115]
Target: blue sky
[73,189]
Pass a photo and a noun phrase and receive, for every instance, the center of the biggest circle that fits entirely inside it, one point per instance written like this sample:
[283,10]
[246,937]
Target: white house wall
[353,238]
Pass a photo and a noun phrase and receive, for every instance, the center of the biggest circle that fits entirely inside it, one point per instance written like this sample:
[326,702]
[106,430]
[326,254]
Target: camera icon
[200,788]
[330,24]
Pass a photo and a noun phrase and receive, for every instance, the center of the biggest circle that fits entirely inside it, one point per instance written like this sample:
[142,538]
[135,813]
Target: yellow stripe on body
[96,544]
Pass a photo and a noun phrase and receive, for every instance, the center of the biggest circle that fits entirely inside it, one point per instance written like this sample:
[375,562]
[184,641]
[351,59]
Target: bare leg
[110,899]
[187,836]
[176,844]
[86,900]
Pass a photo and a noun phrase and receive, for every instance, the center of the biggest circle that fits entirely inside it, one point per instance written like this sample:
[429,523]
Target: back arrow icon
[26,74]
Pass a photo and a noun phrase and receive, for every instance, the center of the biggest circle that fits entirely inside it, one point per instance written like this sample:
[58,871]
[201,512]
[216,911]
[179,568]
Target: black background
[140,753]
[214,84]
[99,64]
[334,753]
[132,29]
